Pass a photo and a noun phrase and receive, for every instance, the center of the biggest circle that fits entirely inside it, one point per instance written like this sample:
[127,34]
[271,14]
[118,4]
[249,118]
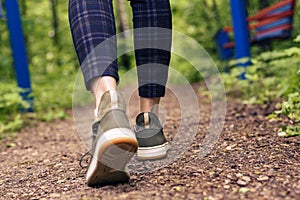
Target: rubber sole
[113,151]
[152,153]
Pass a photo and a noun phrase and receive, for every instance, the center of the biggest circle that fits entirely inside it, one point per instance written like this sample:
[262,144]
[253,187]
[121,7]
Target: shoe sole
[113,151]
[152,153]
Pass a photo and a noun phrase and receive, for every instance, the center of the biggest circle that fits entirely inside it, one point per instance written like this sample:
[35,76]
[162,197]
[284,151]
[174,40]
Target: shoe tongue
[146,120]
[113,99]
[143,119]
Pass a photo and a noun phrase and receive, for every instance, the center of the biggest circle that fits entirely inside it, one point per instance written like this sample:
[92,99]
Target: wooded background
[53,62]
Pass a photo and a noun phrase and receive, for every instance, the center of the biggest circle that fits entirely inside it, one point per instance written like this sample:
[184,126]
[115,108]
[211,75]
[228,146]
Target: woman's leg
[92,22]
[153,48]
[152,22]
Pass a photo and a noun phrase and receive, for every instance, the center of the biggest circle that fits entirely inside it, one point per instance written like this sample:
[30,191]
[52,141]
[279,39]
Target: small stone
[61,181]
[11,194]
[244,190]
[239,175]
[228,148]
[241,182]
[8,145]
[226,186]
[229,176]
[283,193]
[210,198]
[247,179]
[263,178]
[54,195]
[57,165]
[282,134]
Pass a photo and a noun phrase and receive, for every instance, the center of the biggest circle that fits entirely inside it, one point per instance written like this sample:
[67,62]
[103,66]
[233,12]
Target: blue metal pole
[18,49]
[241,32]
[0,9]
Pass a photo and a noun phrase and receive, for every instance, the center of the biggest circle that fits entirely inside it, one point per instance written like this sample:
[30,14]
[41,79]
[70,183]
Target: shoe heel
[152,153]
[113,151]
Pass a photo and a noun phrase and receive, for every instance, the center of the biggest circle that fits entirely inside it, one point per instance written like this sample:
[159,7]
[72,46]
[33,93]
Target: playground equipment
[273,22]
[1,9]
[18,49]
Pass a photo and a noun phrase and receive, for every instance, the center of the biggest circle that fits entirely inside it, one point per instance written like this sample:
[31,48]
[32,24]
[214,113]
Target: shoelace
[89,152]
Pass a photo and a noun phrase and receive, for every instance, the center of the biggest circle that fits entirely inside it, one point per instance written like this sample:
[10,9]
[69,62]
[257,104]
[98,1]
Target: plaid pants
[92,25]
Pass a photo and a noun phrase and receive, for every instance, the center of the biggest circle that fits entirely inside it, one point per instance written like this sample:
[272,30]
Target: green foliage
[272,76]
[289,131]
[201,19]
[53,63]
[291,109]
[185,69]
[53,95]
[44,54]
[10,104]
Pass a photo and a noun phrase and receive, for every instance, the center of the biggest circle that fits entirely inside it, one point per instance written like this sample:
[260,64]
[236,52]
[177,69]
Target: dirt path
[249,162]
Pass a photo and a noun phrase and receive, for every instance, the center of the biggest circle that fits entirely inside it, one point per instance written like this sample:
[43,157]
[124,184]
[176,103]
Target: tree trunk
[123,25]
[217,14]
[123,17]
[204,15]
[23,7]
[55,23]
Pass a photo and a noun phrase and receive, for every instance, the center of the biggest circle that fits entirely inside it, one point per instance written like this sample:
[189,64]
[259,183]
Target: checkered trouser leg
[152,63]
[92,22]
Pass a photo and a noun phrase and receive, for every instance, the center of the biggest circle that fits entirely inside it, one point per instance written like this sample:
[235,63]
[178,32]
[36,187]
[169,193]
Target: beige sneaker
[149,133]
[114,143]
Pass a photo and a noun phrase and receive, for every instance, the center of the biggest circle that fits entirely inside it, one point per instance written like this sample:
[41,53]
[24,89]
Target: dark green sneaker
[149,133]
[114,143]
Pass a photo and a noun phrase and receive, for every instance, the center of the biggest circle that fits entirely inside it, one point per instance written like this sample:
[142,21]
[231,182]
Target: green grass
[274,76]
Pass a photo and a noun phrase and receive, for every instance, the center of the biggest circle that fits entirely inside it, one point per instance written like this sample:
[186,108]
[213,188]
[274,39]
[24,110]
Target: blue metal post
[0,9]
[18,49]
[241,31]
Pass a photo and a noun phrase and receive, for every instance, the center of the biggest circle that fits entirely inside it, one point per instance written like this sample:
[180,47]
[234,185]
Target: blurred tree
[217,14]
[123,25]
[23,6]
[54,32]
[123,17]
[205,15]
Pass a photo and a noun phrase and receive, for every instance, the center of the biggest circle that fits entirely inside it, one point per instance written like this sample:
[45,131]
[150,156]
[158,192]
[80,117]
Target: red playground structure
[273,22]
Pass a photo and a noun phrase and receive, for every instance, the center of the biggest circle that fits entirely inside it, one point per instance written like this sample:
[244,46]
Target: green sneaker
[114,143]
[149,133]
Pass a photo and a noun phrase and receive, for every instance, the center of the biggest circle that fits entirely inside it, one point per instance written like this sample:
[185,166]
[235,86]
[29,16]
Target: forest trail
[249,161]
